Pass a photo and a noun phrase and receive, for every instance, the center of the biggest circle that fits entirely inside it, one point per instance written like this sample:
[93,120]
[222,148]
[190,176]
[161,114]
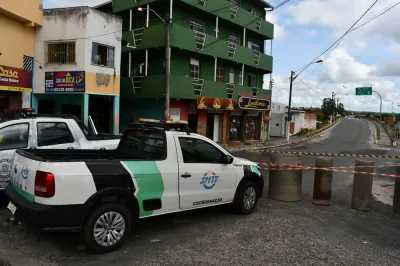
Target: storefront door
[214,127]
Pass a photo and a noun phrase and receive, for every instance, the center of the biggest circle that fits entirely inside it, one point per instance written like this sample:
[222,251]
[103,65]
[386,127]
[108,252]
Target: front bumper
[47,217]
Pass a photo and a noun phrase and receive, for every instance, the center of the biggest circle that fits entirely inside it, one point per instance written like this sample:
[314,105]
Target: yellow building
[18,21]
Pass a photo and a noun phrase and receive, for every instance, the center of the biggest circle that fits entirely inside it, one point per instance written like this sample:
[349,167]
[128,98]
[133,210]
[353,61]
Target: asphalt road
[278,233]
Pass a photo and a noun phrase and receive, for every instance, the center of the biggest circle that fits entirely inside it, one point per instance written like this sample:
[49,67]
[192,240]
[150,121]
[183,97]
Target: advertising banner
[67,81]
[15,79]
[215,103]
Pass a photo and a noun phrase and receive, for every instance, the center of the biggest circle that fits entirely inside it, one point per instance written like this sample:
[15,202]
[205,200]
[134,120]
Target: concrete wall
[85,26]
[277,127]
[309,121]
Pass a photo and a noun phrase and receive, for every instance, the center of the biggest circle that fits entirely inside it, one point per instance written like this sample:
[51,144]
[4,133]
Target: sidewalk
[272,143]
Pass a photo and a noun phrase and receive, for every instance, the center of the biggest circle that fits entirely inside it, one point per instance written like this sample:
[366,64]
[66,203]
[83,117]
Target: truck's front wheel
[247,198]
[107,227]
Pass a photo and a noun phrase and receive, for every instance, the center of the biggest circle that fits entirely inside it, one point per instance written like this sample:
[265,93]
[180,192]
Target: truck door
[12,137]
[55,135]
[204,179]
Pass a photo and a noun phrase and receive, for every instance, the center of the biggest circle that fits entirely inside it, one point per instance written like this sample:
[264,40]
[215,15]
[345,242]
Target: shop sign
[15,79]
[215,103]
[254,104]
[69,81]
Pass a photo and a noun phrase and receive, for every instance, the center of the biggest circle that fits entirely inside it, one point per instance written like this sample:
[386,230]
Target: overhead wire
[340,39]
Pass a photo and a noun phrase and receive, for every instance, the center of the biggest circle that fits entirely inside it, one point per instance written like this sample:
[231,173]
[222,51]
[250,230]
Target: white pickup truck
[156,169]
[46,132]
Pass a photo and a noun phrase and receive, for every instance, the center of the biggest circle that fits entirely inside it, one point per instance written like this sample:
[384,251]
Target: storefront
[249,119]
[13,82]
[212,118]
[66,92]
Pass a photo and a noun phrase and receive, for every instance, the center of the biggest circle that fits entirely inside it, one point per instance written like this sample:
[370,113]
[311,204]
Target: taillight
[45,185]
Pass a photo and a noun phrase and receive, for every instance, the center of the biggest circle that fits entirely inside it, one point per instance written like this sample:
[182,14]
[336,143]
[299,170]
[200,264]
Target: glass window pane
[14,137]
[53,134]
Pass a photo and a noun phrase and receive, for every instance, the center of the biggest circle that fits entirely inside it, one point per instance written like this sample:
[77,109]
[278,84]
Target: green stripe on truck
[149,181]
[24,194]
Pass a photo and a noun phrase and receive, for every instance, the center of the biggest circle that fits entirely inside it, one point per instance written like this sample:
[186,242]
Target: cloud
[341,67]
[310,32]
[339,15]
[279,31]
[70,3]
[388,69]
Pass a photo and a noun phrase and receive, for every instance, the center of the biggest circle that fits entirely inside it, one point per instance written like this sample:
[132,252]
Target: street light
[167,23]
[292,78]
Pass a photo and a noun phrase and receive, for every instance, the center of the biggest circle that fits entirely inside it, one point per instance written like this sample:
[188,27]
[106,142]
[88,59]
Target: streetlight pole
[380,109]
[167,24]
[292,78]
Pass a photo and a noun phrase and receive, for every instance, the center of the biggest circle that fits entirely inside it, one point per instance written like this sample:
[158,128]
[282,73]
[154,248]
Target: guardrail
[315,132]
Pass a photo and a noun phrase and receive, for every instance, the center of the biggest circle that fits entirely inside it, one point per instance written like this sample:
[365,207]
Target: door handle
[186,175]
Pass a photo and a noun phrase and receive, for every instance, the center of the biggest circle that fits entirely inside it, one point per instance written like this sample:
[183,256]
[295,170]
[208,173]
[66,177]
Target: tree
[328,107]
[340,109]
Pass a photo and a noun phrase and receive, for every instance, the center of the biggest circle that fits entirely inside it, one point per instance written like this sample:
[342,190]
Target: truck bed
[53,155]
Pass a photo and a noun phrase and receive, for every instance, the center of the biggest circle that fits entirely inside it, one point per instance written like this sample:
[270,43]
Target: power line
[340,39]
[377,16]
[311,88]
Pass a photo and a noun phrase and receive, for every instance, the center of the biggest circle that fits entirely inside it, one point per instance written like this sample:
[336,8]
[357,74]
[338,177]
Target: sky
[367,57]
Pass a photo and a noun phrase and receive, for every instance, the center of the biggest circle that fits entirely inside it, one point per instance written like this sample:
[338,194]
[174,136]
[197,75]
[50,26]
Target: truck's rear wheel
[247,198]
[107,227]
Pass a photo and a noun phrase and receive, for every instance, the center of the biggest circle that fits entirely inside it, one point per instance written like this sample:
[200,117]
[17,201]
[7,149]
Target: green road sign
[364,91]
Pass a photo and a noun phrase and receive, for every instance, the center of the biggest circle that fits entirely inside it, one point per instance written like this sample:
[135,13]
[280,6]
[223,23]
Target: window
[220,74]
[254,46]
[175,114]
[241,78]
[199,151]
[102,55]
[14,137]
[252,81]
[61,52]
[53,133]
[143,144]
[194,69]
[231,76]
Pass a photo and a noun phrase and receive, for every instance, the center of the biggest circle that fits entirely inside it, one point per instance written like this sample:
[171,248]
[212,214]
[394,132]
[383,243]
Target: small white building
[277,124]
[79,51]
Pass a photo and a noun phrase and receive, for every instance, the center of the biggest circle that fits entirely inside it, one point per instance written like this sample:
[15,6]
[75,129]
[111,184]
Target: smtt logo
[209,180]
[24,172]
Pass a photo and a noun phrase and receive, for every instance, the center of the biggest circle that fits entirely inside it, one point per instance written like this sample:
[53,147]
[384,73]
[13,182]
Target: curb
[375,131]
[284,144]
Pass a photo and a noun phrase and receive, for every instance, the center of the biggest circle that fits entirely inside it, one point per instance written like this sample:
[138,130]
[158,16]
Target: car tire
[107,227]
[247,198]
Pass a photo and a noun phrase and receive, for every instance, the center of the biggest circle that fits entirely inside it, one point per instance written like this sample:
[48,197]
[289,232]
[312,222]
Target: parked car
[25,130]
[157,169]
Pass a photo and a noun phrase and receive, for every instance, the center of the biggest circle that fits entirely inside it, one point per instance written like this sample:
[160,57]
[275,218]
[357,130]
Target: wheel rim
[249,198]
[109,229]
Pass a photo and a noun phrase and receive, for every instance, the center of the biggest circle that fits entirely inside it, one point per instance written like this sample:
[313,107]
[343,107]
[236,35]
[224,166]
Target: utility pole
[289,107]
[380,109]
[167,68]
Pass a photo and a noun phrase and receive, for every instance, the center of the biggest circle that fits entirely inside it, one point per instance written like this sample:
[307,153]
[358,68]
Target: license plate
[12,207]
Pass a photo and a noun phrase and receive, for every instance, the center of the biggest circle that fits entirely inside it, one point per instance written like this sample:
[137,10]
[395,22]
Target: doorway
[46,107]
[73,109]
[214,127]
[192,121]
[101,111]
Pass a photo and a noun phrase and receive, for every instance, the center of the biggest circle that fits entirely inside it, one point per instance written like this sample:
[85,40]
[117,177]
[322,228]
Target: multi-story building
[18,21]
[79,49]
[217,62]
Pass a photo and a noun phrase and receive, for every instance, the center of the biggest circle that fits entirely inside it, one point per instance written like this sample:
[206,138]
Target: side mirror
[229,159]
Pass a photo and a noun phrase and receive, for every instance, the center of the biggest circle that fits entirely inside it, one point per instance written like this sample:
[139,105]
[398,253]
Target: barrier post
[362,186]
[396,196]
[285,185]
[323,182]
[254,156]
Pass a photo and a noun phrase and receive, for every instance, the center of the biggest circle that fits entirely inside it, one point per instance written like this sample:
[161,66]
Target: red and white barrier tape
[278,167]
